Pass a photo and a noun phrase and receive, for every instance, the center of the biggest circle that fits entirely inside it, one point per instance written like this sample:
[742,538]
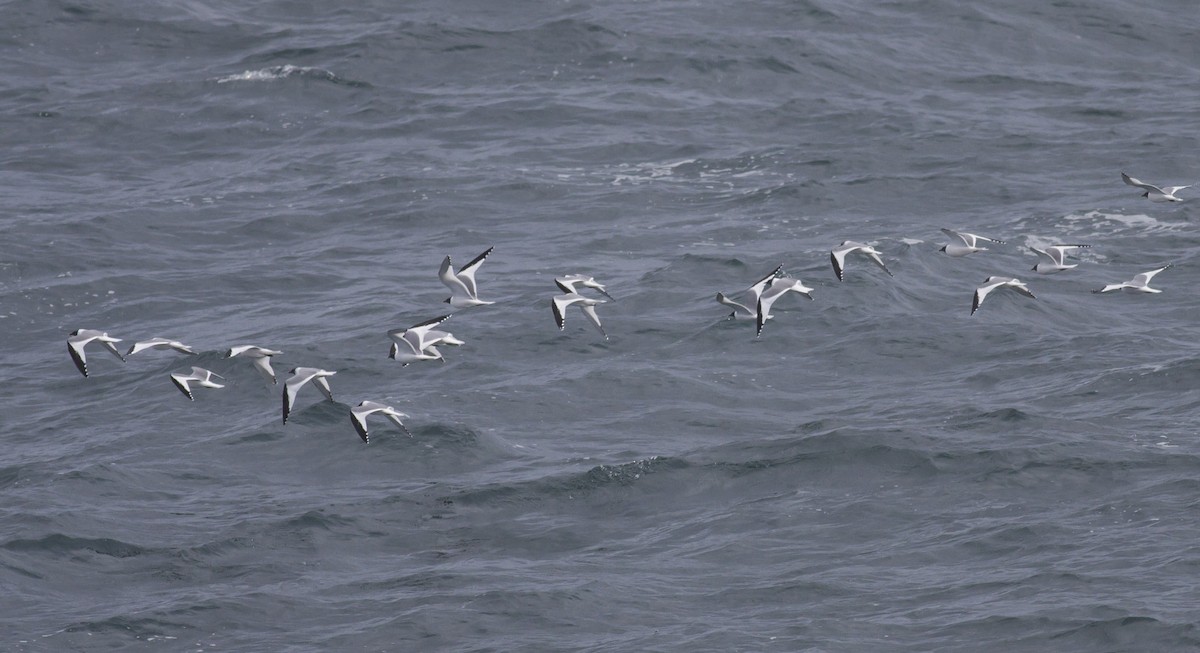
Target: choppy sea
[879,471]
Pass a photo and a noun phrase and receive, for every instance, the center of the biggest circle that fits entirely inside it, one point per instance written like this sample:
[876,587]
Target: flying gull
[992,283]
[200,375]
[962,243]
[159,343]
[1050,260]
[567,284]
[838,257]
[358,417]
[776,290]
[1140,283]
[416,343]
[300,376]
[1155,193]
[260,356]
[464,293]
[586,304]
[742,311]
[79,339]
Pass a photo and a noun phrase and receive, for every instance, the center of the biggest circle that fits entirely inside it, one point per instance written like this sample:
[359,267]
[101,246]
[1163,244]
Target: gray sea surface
[879,471]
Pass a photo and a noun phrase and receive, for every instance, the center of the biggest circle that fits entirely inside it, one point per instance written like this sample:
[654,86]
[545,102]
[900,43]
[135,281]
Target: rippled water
[879,471]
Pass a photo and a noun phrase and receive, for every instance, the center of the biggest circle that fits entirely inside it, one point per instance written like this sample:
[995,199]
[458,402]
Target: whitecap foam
[279,72]
[1105,223]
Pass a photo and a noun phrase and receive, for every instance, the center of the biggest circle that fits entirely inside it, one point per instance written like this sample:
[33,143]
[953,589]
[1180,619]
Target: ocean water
[879,471]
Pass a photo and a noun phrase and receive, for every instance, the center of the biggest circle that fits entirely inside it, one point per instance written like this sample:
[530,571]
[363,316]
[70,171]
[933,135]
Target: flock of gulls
[420,342]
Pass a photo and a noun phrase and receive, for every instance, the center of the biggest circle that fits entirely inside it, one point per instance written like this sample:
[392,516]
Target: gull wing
[323,385]
[451,281]
[878,261]
[263,364]
[358,417]
[838,258]
[1047,256]
[590,311]
[466,274]
[982,292]
[112,349]
[395,417]
[965,239]
[721,298]
[760,285]
[1144,278]
[292,386]
[560,304]
[1141,184]
[77,355]
[181,382]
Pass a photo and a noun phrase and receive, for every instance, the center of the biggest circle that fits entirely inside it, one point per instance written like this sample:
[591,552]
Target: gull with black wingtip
[1052,259]
[1155,193]
[962,243]
[260,356]
[567,284]
[838,257]
[1140,283]
[80,338]
[200,375]
[994,282]
[162,344]
[300,376]
[586,304]
[464,292]
[359,414]
[416,343]
[742,311]
[776,290]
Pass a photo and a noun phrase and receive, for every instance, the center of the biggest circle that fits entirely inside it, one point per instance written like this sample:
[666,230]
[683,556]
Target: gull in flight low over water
[742,311]
[1140,283]
[159,343]
[838,257]
[773,292]
[416,343]
[359,414]
[586,304]
[1155,193]
[200,375]
[80,338]
[300,376]
[1051,259]
[992,283]
[568,284]
[962,243]
[464,292]
[260,356]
